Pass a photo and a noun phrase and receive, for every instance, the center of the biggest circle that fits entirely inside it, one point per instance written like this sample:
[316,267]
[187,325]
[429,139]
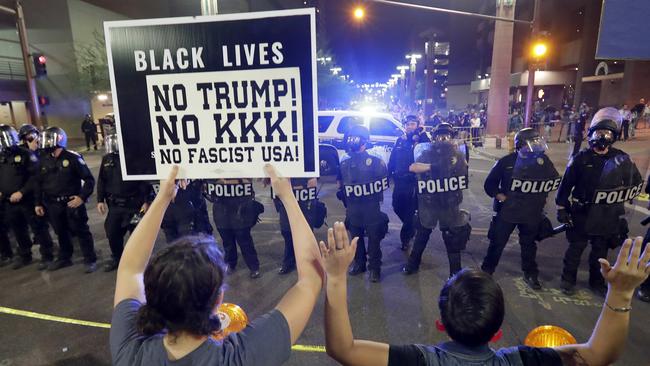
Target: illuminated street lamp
[414,57]
[539,50]
[359,13]
[402,70]
[336,70]
[324,60]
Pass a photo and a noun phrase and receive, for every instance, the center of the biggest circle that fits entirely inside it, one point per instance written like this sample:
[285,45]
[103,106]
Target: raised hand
[631,267]
[338,252]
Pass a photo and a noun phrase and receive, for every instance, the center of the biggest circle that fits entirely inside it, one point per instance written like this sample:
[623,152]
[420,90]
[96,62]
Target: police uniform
[18,169]
[124,200]
[60,180]
[600,224]
[439,197]
[235,211]
[644,290]
[597,183]
[313,210]
[187,214]
[363,179]
[38,224]
[526,182]
[404,182]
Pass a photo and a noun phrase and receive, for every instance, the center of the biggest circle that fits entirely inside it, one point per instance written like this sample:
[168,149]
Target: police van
[332,126]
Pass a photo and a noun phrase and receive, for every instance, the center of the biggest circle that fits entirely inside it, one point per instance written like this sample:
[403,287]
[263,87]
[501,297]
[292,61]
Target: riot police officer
[363,178]
[597,182]
[235,211]
[61,195]
[314,211]
[520,183]
[17,168]
[123,200]
[187,214]
[442,175]
[29,138]
[643,293]
[404,182]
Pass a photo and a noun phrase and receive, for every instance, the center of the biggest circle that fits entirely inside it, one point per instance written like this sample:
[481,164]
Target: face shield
[443,137]
[354,143]
[533,147]
[49,140]
[601,139]
[7,140]
[111,144]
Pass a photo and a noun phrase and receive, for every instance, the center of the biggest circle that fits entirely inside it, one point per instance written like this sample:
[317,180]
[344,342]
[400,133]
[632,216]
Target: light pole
[335,70]
[539,51]
[413,57]
[24,46]
[402,83]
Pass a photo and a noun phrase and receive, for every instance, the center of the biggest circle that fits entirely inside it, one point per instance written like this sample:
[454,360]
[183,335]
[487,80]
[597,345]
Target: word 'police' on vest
[302,194]
[229,190]
[367,189]
[449,184]
[535,186]
[617,195]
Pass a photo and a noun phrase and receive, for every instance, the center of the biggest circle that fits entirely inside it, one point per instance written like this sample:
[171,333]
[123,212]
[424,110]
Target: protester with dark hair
[472,309]
[182,289]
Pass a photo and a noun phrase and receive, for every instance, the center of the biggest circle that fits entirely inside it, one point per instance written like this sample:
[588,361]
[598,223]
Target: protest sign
[218,95]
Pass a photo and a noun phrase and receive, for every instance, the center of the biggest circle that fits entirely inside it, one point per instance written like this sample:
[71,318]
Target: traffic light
[40,64]
[43,101]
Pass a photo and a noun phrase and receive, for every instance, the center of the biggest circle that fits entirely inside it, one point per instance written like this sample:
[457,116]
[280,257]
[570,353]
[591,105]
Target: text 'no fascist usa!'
[219,95]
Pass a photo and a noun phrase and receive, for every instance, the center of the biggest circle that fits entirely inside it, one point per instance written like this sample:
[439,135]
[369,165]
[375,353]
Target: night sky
[370,51]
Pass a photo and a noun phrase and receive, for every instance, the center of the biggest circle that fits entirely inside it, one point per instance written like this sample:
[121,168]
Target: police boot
[286,269]
[111,265]
[20,263]
[568,288]
[356,269]
[90,267]
[255,274]
[532,282]
[43,264]
[643,294]
[409,270]
[374,275]
[5,261]
[61,263]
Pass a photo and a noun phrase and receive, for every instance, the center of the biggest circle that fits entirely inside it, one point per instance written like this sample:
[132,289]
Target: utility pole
[532,63]
[24,46]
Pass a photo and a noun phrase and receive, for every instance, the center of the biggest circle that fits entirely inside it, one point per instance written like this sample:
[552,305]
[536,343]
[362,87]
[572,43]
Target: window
[347,122]
[324,123]
[384,127]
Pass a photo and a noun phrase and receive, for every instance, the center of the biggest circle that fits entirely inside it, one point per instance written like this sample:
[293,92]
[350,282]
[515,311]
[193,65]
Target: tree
[92,65]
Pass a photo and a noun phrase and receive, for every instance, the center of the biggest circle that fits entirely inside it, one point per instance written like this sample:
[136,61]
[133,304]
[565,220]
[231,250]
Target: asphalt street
[398,310]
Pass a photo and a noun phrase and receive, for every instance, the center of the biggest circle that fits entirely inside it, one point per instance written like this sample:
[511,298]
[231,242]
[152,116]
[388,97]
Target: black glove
[564,216]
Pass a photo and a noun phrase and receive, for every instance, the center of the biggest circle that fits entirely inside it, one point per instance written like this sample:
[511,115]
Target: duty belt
[57,199]
[122,201]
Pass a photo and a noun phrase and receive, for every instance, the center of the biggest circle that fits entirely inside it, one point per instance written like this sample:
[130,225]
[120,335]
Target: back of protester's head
[471,307]
[182,287]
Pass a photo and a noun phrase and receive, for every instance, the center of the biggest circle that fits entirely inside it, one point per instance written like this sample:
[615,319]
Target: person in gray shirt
[165,311]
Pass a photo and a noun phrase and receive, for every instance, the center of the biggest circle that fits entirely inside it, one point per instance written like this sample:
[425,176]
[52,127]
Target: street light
[539,50]
[323,60]
[336,70]
[359,13]
[402,70]
[414,57]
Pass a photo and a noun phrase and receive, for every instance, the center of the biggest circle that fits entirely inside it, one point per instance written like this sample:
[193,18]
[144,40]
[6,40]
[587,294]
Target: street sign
[219,95]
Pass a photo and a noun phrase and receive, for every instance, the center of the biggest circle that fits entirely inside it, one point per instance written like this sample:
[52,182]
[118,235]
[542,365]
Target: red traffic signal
[40,64]
[43,101]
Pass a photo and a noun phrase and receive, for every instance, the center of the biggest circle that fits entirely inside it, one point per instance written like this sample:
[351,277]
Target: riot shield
[439,188]
[533,177]
[612,205]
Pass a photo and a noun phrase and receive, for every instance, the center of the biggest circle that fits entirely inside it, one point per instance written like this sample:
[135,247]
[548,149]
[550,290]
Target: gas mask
[601,139]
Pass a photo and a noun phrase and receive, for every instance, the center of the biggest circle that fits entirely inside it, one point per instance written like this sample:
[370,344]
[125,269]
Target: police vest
[365,189]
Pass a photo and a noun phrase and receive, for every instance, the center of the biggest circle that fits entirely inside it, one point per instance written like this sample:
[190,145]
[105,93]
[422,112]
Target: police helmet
[443,129]
[356,137]
[53,137]
[8,137]
[411,118]
[605,127]
[111,144]
[528,140]
[26,130]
